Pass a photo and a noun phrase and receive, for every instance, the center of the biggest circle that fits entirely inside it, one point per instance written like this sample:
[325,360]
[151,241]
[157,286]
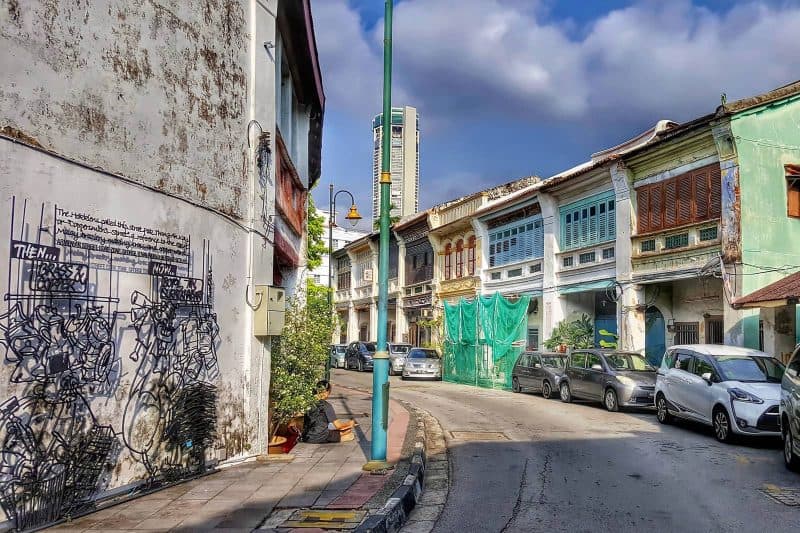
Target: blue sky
[511,88]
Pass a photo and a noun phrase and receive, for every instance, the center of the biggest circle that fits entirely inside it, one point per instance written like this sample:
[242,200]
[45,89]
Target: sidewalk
[240,498]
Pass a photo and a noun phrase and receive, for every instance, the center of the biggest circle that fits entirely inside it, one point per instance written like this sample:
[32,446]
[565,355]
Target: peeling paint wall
[155,90]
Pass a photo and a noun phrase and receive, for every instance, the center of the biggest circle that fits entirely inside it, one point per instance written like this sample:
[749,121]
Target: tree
[576,334]
[316,236]
[299,355]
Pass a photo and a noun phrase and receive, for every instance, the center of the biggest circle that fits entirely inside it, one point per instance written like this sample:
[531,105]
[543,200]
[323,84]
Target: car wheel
[662,410]
[722,425]
[547,391]
[789,457]
[610,400]
[515,385]
[565,393]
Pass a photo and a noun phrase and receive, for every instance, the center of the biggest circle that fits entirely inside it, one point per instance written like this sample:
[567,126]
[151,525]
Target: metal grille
[715,331]
[676,241]
[588,257]
[708,234]
[648,245]
[687,333]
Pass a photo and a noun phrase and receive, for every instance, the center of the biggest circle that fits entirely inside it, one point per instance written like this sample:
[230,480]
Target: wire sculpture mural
[63,331]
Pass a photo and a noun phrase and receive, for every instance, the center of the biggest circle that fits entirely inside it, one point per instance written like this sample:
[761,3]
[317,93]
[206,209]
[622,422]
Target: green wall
[766,138]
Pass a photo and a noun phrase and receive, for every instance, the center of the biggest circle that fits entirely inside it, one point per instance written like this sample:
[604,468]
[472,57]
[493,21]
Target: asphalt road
[575,467]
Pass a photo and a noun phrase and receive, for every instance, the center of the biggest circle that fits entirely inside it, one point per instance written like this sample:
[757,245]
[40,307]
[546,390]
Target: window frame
[460,258]
[471,256]
[448,263]
[588,222]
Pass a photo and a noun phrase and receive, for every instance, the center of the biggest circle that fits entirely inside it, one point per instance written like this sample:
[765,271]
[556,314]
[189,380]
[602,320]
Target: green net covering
[483,339]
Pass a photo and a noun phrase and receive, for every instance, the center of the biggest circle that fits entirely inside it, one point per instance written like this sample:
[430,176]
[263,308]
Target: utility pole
[380,371]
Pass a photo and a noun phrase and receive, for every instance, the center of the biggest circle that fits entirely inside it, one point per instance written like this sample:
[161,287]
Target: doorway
[655,336]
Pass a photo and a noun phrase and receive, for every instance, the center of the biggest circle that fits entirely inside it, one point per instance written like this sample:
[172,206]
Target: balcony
[676,249]
[588,257]
[419,275]
[513,275]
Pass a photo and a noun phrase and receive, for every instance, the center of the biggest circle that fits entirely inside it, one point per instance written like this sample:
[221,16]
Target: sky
[512,88]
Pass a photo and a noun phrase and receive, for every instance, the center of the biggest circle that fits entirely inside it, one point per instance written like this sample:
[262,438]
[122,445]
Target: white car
[735,390]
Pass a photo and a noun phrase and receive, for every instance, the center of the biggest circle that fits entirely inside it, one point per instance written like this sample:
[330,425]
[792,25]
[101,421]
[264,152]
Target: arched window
[471,256]
[459,258]
[448,266]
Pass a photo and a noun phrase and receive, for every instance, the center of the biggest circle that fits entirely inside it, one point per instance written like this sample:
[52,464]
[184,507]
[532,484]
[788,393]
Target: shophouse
[416,279]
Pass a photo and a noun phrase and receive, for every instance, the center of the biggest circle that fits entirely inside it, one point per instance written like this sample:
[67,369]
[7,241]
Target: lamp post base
[377,466]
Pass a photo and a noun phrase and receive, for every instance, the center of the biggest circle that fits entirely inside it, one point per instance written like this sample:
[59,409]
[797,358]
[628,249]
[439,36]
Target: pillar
[780,331]
[631,317]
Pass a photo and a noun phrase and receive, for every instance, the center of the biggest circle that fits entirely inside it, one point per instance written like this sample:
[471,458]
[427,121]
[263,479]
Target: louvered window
[518,241]
[588,222]
[471,256]
[792,190]
[692,197]
[459,258]
[448,266]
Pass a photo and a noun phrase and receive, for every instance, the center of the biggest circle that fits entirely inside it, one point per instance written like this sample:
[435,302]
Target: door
[537,371]
[595,378]
[655,336]
[681,382]
[348,355]
[524,371]
[700,396]
[577,373]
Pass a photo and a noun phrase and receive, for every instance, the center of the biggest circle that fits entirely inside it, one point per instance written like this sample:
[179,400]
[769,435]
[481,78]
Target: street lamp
[353,217]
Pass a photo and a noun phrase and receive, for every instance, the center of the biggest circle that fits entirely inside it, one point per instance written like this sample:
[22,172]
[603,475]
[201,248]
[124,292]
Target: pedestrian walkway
[240,498]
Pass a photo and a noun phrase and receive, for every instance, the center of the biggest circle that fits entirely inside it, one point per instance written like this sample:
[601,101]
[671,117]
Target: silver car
[337,355]
[422,363]
[397,357]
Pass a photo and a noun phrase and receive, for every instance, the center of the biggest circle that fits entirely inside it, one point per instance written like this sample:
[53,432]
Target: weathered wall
[766,139]
[155,90]
[126,337]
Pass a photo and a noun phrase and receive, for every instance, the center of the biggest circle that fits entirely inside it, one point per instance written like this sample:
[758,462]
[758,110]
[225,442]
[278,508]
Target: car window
[593,359]
[577,360]
[535,360]
[525,360]
[756,369]
[683,361]
[553,361]
[419,353]
[399,348]
[369,346]
[701,366]
[628,361]
[794,365]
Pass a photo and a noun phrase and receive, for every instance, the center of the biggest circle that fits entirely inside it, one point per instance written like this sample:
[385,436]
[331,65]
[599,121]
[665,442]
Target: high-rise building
[405,162]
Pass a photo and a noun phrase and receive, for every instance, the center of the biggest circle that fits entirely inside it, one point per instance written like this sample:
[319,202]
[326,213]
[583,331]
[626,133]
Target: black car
[615,378]
[359,356]
[538,372]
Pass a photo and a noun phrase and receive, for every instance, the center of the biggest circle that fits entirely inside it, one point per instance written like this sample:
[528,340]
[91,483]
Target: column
[373,321]
[552,311]
[352,323]
[631,317]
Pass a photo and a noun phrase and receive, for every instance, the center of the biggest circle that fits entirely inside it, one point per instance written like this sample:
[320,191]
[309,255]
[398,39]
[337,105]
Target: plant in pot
[298,360]
[578,333]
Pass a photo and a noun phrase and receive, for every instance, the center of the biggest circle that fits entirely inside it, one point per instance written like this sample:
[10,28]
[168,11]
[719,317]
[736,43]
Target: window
[588,257]
[588,222]
[516,241]
[592,360]
[533,338]
[536,268]
[578,360]
[708,234]
[568,261]
[471,256]
[648,246]
[495,275]
[687,333]
[514,273]
[608,253]
[701,366]
[459,258]
[676,241]
[448,266]
[692,197]
[684,361]
[793,190]
[715,331]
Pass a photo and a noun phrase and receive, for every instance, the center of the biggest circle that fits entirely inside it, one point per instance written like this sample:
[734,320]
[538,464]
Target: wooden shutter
[701,200]
[670,203]
[685,199]
[643,209]
[715,193]
[656,206]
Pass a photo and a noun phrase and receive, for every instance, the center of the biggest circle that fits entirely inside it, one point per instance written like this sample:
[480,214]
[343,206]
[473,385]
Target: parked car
[735,390]
[538,372]
[337,355]
[422,363]
[397,357]
[359,356]
[615,378]
[790,412]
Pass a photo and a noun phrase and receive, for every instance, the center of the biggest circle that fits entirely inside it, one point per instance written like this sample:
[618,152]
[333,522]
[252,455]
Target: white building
[405,162]
[341,237]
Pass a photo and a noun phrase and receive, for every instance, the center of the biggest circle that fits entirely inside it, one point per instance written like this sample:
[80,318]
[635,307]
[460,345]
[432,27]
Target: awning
[785,291]
[585,286]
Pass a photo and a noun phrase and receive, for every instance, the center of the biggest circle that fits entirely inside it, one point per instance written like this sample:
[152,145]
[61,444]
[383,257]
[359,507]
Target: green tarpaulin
[483,339]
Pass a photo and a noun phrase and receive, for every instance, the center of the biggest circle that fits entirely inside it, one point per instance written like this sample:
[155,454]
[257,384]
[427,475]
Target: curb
[404,499]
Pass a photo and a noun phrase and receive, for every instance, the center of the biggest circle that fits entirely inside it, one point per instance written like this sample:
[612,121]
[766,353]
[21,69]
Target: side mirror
[597,367]
[706,377]
[537,365]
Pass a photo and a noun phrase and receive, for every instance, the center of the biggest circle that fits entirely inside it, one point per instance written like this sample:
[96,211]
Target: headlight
[625,380]
[743,396]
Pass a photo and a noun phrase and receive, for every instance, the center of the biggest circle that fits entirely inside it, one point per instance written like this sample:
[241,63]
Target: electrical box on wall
[270,313]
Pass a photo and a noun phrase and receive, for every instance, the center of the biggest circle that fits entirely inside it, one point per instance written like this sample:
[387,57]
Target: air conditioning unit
[368,274]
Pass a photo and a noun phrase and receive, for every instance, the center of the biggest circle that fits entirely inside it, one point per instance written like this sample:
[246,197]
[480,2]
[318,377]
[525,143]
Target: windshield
[553,361]
[423,354]
[399,348]
[750,369]
[628,361]
[370,346]
[341,349]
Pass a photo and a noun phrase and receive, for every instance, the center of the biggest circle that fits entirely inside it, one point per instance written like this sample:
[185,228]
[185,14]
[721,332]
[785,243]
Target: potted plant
[298,360]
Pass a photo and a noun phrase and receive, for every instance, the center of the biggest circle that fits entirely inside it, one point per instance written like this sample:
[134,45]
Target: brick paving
[240,498]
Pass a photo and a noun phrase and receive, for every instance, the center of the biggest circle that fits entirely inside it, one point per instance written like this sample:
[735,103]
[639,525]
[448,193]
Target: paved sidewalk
[239,498]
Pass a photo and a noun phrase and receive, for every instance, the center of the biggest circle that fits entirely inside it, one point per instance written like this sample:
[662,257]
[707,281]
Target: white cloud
[654,59]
